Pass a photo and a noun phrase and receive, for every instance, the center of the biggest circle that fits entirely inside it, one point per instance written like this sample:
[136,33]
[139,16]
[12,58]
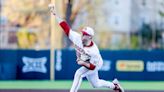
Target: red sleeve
[92,67]
[65,27]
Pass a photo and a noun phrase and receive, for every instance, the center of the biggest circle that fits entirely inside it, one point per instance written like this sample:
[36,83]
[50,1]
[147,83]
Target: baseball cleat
[118,87]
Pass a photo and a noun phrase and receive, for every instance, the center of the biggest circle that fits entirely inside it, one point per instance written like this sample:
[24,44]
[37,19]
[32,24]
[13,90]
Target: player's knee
[96,85]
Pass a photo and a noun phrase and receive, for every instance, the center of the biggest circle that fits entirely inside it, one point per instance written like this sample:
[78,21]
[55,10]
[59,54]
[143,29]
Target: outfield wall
[123,64]
[24,64]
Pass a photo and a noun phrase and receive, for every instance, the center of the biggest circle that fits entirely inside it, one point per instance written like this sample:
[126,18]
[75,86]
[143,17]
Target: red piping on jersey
[65,27]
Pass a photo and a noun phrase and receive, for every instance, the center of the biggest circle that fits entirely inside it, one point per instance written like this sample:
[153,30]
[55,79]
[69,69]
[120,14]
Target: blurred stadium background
[36,55]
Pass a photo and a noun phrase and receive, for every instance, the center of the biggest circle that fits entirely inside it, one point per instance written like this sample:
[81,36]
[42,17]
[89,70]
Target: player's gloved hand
[85,57]
[52,9]
[86,64]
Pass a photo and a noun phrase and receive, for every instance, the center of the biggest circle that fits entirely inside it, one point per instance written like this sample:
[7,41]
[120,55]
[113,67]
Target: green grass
[128,85]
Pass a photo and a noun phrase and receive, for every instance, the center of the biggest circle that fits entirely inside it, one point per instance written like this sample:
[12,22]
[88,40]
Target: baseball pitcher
[88,56]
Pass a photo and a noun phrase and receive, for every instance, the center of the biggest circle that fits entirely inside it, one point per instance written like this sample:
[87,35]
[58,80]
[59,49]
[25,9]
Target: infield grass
[128,85]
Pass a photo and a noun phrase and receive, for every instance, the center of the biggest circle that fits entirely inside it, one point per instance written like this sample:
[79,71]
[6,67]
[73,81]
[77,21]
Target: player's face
[86,39]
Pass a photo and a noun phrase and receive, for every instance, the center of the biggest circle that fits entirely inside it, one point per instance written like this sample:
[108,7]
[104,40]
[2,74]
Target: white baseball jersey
[93,52]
